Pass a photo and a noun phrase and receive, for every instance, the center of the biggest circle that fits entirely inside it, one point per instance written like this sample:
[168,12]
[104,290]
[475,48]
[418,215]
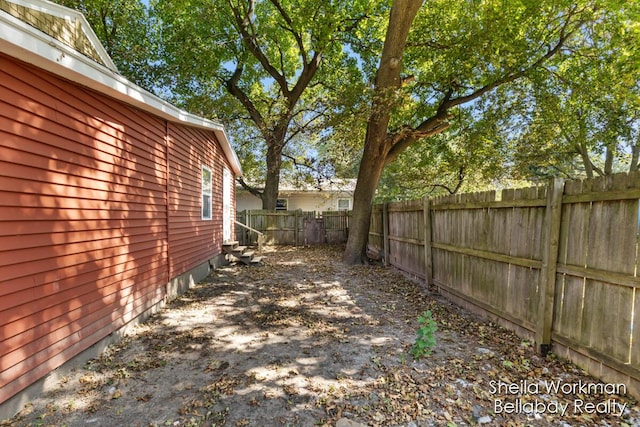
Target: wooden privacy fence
[294,227]
[557,264]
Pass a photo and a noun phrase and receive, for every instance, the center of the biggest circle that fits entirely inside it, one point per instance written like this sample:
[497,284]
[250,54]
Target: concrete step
[229,247]
[241,253]
[247,254]
[251,260]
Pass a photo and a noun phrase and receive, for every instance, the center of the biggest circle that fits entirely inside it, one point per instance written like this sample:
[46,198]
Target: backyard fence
[557,264]
[294,227]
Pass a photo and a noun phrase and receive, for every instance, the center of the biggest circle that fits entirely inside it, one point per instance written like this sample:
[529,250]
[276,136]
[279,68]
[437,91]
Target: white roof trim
[26,43]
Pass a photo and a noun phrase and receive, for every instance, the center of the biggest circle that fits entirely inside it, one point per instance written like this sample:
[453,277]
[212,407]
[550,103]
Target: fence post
[428,260]
[245,235]
[551,243]
[385,233]
[344,221]
[295,227]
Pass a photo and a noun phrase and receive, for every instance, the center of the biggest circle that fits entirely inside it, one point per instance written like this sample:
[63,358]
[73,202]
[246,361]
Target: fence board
[607,319]
[620,316]
[428,254]
[568,312]
[634,351]
[615,225]
[406,236]
[336,226]
[610,243]
[573,234]
[376,241]
[530,278]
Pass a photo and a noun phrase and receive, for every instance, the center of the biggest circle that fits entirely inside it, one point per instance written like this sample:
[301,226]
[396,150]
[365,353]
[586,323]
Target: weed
[426,336]
[403,359]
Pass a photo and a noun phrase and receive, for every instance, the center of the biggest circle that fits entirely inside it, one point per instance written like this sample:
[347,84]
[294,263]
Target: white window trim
[348,203]
[286,202]
[204,192]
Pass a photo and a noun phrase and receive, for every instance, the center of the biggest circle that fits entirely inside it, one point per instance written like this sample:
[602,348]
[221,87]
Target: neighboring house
[111,200]
[335,195]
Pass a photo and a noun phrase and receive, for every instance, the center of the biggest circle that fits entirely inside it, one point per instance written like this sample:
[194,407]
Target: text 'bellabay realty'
[523,403]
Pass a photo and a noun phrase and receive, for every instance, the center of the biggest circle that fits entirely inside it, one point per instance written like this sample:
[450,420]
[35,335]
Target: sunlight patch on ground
[292,262]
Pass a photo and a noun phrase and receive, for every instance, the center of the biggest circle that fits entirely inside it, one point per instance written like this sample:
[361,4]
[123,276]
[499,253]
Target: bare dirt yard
[306,341]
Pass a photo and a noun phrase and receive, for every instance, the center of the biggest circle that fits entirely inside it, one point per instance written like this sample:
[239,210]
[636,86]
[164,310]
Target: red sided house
[111,200]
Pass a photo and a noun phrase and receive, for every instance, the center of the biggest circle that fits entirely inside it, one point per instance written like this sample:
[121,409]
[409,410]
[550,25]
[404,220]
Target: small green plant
[426,336]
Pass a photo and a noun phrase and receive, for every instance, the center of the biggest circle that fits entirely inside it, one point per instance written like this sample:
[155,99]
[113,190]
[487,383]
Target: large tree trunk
[377,144]
[635,156]
[586,161]
[272,181]
[608,162]
[371,168]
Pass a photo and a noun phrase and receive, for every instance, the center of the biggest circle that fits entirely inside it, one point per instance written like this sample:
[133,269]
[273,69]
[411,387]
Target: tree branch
[296,35]
[346,26]
[244,23]
[308,72]
[303,127]
[401,140]
[562,38]
[434,125]
[438,122]
[234,89]
[307,163]
[461,176]
[249,188]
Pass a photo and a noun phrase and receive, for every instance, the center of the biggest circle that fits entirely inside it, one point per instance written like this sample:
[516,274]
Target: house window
[344,204]
[281,204]
[206,192]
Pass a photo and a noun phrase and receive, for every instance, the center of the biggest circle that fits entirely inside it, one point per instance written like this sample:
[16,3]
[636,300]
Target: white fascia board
[26,43]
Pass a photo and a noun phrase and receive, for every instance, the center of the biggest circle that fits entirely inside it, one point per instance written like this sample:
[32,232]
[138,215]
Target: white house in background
[334,195]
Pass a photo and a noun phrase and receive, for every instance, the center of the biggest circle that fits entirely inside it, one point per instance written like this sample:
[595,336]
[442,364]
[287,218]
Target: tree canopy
[423,97]
[268,69]
[457,54]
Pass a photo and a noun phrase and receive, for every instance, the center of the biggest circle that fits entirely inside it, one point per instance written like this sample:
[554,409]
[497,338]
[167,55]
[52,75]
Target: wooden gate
[314,233]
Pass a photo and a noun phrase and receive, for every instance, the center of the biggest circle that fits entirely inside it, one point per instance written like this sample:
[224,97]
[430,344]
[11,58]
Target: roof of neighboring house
[336,185]
[61,41]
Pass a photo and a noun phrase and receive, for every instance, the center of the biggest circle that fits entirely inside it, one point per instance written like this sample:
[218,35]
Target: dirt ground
[306,341]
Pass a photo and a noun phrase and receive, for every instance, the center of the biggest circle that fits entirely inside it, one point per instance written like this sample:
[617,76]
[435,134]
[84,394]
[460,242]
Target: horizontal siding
[83,220]
[71,277]
[64,146]
[104,139]
[24,302]
[82,311]
[39,364]
[191,239]
[52,226]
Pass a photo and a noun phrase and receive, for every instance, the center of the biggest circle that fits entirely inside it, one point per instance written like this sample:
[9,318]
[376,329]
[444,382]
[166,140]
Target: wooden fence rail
[558,264]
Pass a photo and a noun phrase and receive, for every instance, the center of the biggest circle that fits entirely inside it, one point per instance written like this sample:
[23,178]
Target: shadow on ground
[304,340]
